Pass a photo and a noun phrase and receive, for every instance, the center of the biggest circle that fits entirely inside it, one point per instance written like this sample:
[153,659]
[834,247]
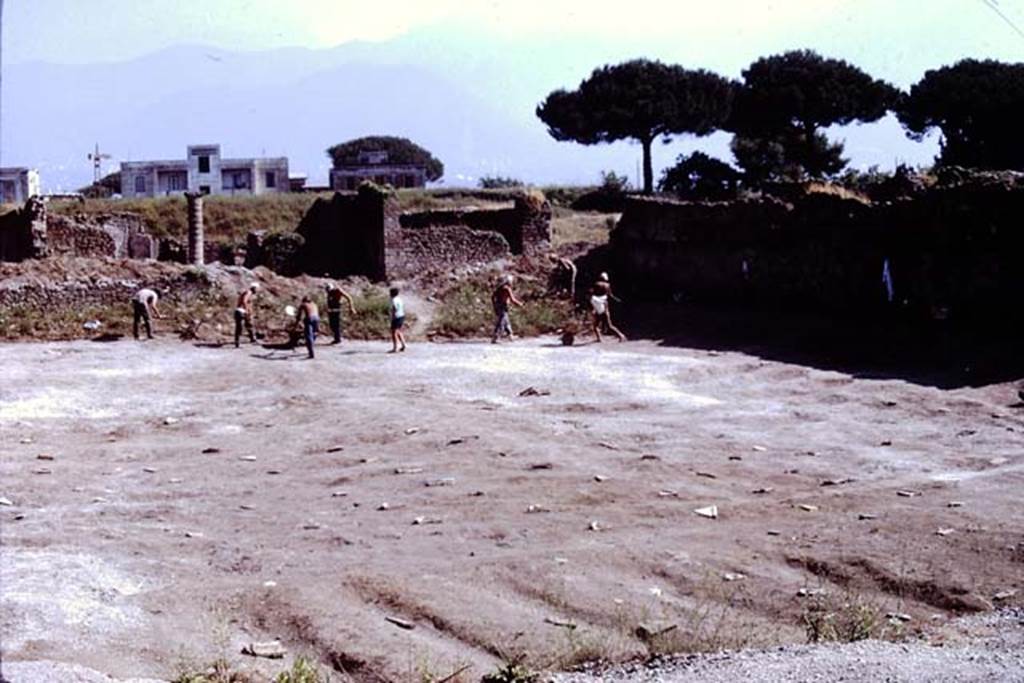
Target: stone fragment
[335,449]
[149,470]
[42,470]
[273,471]
[763,489]
[998,461]
[774,532]
[271,649]
[560,623]
[443,481]
[171,420]
[668,493]
[866,516]
[339,494]
[646,632]
[944,531]
[759,449]
[710,512]
[599,478]
[649,457]
[706,475]
[25,439]
[194,534]
[898,616]
[243,506]
[810,592]
[175,480]
[594,526]
[735,457]
[609,446]
[733,576]
[885,443]
[541,466]
[420,521]
[6,502]
[412,430]
[808,508]
[44,456]
[907,494]
[401,623]
[955,504]
[209,450]
[408,470]
[1004,595]
[532,391]
[247,458]
[383,506]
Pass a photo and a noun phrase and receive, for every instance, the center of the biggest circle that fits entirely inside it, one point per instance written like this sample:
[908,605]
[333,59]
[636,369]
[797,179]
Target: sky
[894,39]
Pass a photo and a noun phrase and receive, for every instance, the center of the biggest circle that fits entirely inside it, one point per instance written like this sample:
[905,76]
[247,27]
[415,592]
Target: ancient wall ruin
[32,232]
[950,249]
[365,234]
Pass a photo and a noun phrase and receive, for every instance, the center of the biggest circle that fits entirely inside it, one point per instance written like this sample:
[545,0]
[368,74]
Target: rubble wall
[526,226]
[954,248]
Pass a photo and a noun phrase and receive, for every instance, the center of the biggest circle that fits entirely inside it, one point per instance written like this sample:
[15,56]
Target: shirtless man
[600,294]
[243,313]
[309,316]
[144,309]
[335,294]
[565,273]
[501,299]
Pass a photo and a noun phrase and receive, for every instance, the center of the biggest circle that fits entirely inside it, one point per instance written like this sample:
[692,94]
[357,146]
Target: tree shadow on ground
[942,354]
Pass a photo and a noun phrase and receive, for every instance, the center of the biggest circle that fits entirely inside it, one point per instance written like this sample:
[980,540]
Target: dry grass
[570,227]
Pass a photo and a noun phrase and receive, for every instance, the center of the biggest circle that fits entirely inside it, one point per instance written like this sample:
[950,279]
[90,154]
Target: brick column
[195,228]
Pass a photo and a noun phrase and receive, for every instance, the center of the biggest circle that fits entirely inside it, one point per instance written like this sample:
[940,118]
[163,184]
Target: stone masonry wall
[951,248]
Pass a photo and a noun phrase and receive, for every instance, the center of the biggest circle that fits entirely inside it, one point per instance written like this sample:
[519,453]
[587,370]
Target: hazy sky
[893,39]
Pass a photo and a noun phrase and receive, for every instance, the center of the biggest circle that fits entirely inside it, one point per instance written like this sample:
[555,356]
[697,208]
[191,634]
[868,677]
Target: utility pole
[97,158]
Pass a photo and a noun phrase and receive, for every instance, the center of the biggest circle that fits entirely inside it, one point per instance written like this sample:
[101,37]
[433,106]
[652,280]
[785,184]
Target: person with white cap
[243,313]
[600,294]
[334,296]
[501,299]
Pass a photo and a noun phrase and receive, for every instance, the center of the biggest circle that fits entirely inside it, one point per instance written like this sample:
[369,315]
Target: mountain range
[467,97]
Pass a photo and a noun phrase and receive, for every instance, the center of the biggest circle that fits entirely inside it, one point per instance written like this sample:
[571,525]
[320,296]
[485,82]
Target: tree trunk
[648,166]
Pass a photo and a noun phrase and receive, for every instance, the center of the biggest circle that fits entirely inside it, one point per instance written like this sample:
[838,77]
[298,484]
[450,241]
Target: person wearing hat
[501,299]
[143,310]
[334,296]
[243,313]
[600,294]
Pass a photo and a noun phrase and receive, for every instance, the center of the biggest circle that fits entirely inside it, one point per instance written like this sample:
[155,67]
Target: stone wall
[423,250]
[31,232]
[526,226]
[96,291]
[954,249]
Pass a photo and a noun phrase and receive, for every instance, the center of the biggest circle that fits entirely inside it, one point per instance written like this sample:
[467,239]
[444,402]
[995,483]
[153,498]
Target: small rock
[773,532]
[898,616]
[243,506]
[175,480]
[561,560]
[810,592]
[668,493]
[609,446]
[866,516]
[383,506]
[759,449]
[944,532]
[209,450]
[594,526]
[6,502]
[194,534]
[558,622]
[541,466]
[412,430]
[710,512]
[272,649]
[419,521]
[733,576]
[443,481]
[269,584]
[408,470]
[599,478]
[998,461]
[706,475]
[273,471]
[907,494]
[310,526]
[171,420]
[248,458]
[885,443]
[735,457]
[91,325]
[531,509]
[808,508]
[1004,595]
[649,456]
[836,482]
[335,449]
[149,470]
[25,439]
[339,494]
[42,470]
[762,490]
[44,456]
[401,623]
[955,504]
[531,391]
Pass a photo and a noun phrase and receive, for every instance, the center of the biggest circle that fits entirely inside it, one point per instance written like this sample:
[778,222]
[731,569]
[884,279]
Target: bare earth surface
[170,504]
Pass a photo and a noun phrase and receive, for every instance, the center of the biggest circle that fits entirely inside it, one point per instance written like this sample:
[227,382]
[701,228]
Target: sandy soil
[171,503]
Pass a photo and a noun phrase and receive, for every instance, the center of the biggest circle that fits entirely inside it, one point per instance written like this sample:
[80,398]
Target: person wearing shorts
[600,296]
[397,321]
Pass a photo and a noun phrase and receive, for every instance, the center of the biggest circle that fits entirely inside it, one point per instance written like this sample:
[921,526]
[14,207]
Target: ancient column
[195,228]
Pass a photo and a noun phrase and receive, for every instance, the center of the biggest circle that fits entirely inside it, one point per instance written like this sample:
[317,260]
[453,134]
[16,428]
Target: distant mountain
[469,98]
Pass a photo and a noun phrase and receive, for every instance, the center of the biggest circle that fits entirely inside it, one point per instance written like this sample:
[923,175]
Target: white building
[18,184]
[203,170]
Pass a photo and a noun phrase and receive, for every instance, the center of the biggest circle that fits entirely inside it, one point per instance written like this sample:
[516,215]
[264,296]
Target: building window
[239,181]
[140,184]
[176,182]
[271,179]
[204,164]
[204,189]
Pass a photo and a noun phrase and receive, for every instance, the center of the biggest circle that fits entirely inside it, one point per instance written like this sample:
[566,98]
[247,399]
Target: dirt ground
[404,517]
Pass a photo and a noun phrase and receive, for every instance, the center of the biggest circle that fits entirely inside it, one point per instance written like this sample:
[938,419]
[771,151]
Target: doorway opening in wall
[204,189]
[204,164]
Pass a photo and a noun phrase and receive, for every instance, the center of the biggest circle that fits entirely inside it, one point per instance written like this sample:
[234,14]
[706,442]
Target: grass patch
[302,670]
[569,227]
[466,311]
[846,618]
[226,219]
